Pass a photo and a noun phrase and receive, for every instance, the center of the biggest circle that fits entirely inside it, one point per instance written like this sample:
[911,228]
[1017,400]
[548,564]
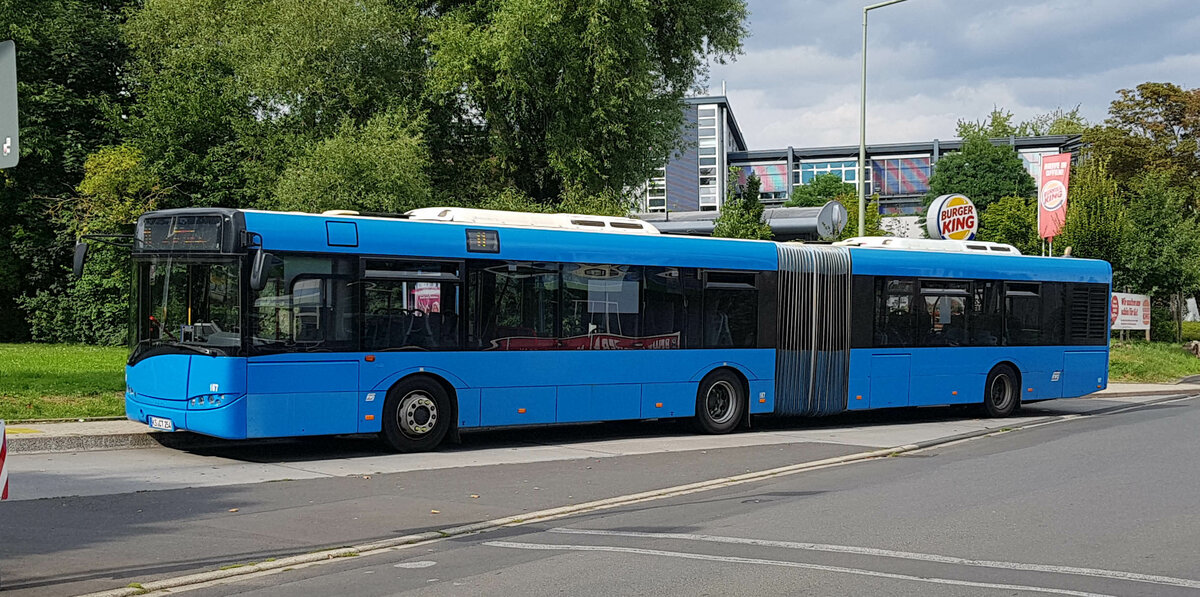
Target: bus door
[889,380]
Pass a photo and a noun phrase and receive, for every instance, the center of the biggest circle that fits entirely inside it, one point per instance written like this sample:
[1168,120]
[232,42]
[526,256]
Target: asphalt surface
[1103,505]
[136,531]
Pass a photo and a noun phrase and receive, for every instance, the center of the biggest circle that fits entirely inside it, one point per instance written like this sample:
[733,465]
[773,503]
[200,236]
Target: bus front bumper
[227,421]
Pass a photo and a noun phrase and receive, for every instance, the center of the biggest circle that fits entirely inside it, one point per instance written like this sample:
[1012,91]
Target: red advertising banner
[1052,194]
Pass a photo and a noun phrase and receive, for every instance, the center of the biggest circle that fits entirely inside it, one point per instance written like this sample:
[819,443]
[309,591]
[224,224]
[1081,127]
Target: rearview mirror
[258,269]
[81,249]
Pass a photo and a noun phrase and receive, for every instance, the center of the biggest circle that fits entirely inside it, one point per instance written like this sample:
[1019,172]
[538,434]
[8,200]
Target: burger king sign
[952,217]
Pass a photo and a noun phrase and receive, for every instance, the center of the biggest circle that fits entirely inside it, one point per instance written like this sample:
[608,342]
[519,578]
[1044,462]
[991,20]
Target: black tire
[1001,392]
[417,414]
[720,402]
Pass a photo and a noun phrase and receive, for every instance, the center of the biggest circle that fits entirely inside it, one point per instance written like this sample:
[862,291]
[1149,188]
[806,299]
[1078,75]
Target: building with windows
[694,178]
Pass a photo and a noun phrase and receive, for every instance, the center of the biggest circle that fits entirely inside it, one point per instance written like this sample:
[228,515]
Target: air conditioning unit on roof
[924,244]
[490,217]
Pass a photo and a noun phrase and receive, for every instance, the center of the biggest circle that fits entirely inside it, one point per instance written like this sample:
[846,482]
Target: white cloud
[937,61]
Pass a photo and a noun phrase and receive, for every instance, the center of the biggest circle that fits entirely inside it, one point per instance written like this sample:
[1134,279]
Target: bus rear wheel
[416,415]
[720,403]
[1001,392]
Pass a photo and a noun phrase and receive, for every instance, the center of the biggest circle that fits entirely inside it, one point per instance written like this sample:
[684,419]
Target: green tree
[822,189]
[117,187]
[70,60]
[586,92]
[999,124]
[380,166]
[1161,255]
[231,93]
[874,221]
[1095,226]
[742,213]
[1058,122]
[1012,220]
[983,172]
[1154,127]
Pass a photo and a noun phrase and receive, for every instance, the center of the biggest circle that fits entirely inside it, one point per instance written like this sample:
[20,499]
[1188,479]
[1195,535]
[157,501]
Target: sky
[933,62]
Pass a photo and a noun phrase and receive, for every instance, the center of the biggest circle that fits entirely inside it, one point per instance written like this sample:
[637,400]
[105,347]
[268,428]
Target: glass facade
[900,176]
[708,130]
[773,179]
[847,169]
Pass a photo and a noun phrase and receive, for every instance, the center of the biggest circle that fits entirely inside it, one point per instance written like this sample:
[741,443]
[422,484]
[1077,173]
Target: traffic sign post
[10,148]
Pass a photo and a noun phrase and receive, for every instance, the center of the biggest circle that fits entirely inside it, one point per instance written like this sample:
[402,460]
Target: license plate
[161,423]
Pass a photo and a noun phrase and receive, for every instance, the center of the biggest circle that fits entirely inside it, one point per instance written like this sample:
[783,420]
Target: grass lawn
[1149,362]
[58,381]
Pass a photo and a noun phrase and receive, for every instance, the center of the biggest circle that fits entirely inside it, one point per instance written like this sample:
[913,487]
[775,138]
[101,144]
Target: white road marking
[420,564]
[887,553]
[786,564]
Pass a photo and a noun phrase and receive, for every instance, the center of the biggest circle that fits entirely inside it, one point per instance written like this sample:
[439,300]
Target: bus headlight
[209,400]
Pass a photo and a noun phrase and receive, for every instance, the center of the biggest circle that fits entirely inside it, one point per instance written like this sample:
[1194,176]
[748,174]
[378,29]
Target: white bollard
[3,462]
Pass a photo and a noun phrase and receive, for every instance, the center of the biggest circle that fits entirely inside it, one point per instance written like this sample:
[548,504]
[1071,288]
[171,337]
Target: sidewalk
[114,435]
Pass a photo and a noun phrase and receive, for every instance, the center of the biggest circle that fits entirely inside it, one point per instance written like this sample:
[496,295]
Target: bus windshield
[187,305]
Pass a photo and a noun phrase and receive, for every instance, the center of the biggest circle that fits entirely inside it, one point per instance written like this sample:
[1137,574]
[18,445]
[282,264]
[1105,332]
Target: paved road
[1105,504]
[135,520]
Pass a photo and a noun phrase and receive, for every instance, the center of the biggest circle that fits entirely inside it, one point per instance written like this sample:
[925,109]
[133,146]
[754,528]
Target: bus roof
[394,236]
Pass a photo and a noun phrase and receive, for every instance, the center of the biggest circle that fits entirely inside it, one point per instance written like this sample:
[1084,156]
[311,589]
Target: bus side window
[663,310]
[984,316]
[1023,314]
[308,303]
[410,304]
[513,305]
[601,306]
[1054,309]
[894,312]
[730,310]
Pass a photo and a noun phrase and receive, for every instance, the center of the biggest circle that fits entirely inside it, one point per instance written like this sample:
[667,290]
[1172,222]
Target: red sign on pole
[1052,194]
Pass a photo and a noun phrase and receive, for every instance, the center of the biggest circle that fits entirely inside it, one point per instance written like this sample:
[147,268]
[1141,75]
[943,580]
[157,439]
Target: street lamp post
[862,126]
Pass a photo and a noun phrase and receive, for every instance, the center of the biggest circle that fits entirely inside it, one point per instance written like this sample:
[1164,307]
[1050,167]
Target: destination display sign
[181,233]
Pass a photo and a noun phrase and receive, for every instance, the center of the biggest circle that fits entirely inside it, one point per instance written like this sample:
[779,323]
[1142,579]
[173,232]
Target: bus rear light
[762,400]
[370,417]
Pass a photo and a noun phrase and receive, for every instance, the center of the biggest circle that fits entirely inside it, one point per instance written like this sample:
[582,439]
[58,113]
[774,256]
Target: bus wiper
[212,352]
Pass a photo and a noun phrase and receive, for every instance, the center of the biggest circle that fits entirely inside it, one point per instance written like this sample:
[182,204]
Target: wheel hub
[418,414]
[719,402]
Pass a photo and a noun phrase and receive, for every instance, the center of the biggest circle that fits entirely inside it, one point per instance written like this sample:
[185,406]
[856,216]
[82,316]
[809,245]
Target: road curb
[36,443]
[603,504]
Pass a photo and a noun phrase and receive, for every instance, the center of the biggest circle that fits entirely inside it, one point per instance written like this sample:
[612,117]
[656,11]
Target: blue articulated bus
[253,324]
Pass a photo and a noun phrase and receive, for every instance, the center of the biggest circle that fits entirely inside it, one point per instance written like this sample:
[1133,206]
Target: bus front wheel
[416,415]
[1001,392]
[720,402]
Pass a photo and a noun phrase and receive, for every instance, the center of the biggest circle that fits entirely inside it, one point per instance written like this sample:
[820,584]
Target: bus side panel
[599,402]
[518,406]
[948,375]
[936,376]
[859,387]
[566,386]
[667,400]
[301,397]
[890,374]
[1041,371]
[1084,372]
